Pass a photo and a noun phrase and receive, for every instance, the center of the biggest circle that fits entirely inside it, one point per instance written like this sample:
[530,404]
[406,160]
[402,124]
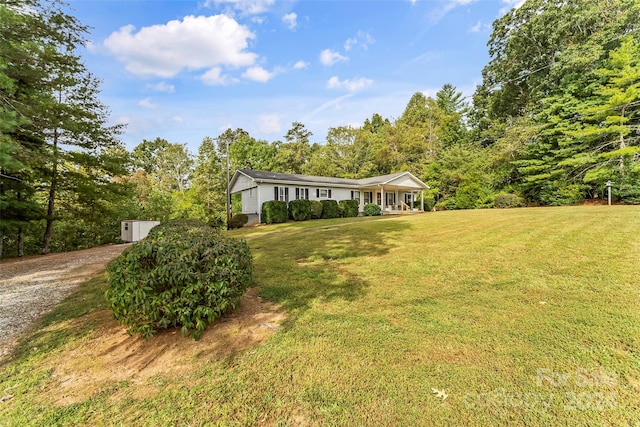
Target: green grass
[523,317]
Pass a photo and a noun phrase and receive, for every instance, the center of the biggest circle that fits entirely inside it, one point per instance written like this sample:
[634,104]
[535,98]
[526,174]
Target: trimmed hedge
[330,209]
[371,209]
[316,209]
[300,210]
[274,212]
[348,208]
[183,274]
[238,221]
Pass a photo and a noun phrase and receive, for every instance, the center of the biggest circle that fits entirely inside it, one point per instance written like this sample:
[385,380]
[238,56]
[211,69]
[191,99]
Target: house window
[126,226]
[323,193]
[355,195]
[302,193]
[368,197]
[281,194]
[391,198]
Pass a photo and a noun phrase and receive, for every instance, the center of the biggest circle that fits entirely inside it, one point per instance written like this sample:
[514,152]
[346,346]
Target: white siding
[242,182]
[405,181]
[250,201]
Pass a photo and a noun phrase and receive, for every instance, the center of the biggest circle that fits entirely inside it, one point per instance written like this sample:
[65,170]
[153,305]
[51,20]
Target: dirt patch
[110,356]
[31,286]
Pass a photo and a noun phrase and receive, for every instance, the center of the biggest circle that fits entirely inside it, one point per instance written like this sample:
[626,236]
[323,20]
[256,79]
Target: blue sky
[183,70]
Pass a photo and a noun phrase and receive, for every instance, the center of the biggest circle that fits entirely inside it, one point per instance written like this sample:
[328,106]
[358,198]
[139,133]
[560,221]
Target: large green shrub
[371,209]
[182,275]
[471,195]
[238,221]
[316,209]
[348,208]
[274,212]
[330,209]
[300,210]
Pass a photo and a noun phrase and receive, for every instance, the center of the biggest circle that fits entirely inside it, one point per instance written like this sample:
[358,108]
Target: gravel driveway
[31,286]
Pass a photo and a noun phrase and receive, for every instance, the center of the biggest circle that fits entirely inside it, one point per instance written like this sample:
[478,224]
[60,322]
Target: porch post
[382,198]
[422,200]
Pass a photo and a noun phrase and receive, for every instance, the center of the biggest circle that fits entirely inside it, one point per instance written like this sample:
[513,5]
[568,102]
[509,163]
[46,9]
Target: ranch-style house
[394,193]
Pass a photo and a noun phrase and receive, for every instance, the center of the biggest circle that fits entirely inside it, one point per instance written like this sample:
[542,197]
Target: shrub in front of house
[330,209]
[371,209]
[274,212]
[182,275]
[348,208]
[300,210]
[506,200]
[316,209]
[238,221]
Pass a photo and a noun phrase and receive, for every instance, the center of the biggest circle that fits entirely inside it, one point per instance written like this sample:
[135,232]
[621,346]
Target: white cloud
[350,85]
[146,103]
[270,123]
[177,119]
[442,8]
[161,87]
[362,39]
[480,26]
[193,43]
[300,65]
[214,77]
[510,4]
[291,19]
[329,57]
[247,7]
[258,74]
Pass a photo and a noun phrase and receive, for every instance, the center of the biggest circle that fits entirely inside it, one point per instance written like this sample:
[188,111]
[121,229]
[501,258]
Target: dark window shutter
[286,194]
[306,193]
[297,193]
[329,193]
[317,193]
[275,193]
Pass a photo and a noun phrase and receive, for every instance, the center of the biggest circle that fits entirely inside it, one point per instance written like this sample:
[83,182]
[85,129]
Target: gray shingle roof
[309,179]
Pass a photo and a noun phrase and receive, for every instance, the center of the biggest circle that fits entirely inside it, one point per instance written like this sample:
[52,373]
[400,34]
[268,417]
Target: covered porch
[400,194]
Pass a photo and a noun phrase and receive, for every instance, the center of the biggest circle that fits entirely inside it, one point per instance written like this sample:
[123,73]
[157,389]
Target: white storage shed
[133,230]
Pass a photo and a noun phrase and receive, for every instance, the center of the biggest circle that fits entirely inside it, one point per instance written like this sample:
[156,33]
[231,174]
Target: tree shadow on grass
[297,267]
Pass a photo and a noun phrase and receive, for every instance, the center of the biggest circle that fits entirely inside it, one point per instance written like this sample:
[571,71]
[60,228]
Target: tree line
[555,119]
